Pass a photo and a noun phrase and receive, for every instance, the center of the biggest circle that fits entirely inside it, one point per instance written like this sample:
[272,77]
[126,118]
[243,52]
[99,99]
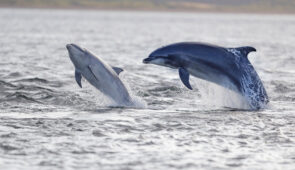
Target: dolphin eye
[170,57]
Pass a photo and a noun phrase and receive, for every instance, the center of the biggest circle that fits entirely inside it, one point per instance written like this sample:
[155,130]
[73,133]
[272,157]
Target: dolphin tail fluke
[117,70]
[78,77]
[245,50]
[184,77]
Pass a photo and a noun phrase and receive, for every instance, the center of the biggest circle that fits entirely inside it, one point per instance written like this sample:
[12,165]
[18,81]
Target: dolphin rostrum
[99,74]
[227,67]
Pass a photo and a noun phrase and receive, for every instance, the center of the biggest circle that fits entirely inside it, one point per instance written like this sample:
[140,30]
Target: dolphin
[227,67]
[99,74]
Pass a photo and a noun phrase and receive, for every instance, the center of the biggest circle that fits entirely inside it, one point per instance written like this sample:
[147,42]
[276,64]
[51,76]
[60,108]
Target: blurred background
[259,6]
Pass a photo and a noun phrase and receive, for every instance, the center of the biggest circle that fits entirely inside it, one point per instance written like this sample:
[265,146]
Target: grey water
[48,122]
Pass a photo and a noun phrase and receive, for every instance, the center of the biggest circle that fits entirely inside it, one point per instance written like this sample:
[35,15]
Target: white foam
[102,100]
[219,96]
[136,101]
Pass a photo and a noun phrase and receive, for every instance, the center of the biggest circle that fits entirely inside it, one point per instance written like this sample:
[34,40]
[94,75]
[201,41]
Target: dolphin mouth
[147,60]
[69,46]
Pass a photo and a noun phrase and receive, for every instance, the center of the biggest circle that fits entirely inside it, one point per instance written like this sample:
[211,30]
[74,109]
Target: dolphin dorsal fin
[117,70]
[245,50]
[184,77]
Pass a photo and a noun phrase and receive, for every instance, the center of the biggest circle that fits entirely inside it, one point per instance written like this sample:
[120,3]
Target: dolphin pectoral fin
[78,77]
[117,70]
[184,77]
[91,70]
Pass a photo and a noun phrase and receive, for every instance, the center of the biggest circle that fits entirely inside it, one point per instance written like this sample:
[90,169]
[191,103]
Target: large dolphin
[227,67]
[99,74]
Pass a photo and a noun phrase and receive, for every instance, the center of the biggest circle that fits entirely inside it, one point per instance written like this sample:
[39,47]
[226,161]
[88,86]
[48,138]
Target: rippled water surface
[48,122]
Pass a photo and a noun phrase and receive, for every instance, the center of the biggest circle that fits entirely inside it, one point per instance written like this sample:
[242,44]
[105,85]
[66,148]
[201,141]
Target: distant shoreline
[151,10]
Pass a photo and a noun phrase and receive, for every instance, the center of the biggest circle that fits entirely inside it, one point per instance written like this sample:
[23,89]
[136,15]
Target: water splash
[218,96]
[136,101]
[103,100]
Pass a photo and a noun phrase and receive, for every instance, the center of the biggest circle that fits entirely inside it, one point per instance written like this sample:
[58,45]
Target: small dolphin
[99,74]
[227,67]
